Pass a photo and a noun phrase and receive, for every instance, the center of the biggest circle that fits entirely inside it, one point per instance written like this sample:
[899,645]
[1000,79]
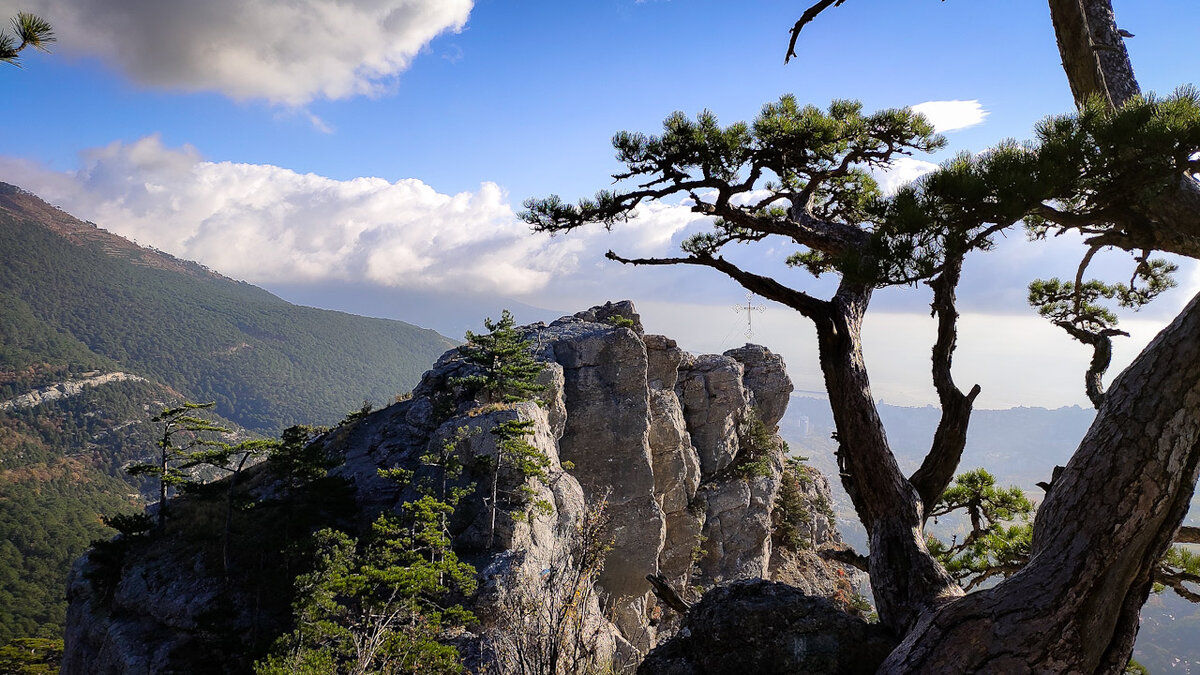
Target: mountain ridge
[205,335]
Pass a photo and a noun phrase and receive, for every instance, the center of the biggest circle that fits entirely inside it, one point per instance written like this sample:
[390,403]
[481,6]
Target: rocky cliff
[680,450]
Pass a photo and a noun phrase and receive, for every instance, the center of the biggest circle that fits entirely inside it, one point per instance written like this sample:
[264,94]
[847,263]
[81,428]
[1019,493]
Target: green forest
[266,363]
[76,301]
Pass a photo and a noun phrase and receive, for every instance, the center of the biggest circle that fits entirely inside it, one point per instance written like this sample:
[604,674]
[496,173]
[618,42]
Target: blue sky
[371,155]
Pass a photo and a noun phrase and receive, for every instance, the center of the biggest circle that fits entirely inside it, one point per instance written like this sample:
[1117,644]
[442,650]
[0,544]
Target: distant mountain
[97,334]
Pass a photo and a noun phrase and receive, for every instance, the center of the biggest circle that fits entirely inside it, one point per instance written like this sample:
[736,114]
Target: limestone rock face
[607,439]
[765,377]
[681,450]
[714,398]
[737,526]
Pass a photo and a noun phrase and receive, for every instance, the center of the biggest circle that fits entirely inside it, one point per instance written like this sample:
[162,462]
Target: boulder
[766,627]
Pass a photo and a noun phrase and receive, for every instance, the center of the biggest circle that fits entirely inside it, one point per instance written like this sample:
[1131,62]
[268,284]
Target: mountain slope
[97,335]
[266,363]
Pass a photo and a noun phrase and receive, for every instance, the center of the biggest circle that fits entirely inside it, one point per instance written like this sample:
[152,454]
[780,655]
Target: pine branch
[950,438]
[764,286]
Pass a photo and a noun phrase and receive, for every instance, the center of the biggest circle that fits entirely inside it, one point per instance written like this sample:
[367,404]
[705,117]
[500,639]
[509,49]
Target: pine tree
[508,375]
[508,370]
[230,458]
[382,606]
[797,179]
[1000,526]
[30,31]
[185,435]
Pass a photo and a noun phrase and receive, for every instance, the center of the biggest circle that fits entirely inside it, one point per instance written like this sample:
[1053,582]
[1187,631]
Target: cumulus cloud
[901,171]
[285,51]
[952,115]
[268,224]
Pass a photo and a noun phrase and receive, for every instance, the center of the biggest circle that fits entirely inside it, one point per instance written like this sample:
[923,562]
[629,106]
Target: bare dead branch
[847,556]
[809,14]
[663,591]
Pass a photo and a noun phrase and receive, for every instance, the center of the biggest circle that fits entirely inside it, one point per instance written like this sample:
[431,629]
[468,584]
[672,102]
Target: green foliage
[129,524]
[1001,529]
[859,605]
[382,606]
[802,174]
[797,154]
[61,471]
[1179,569]
[31,656]
[297,458]
[1135,668]
[91,300]
[447,466]
[515,453]
[508,371]
[791,515]
[620,321]
[276,507]
[47,519]
[1068,306]
[1117,161]
[756,446]
[356,415]
[76,301]
[185,439]
[28,30]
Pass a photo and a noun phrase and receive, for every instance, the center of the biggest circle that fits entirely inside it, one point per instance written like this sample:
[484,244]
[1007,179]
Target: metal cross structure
[749,308]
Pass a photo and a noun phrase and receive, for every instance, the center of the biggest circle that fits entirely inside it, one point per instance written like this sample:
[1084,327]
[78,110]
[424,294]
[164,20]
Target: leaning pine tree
[1119,171]
[185,436]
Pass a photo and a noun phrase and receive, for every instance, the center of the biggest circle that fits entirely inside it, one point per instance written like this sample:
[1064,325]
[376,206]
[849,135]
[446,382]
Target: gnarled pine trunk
[1113,512]
[1104,525]
[907,581]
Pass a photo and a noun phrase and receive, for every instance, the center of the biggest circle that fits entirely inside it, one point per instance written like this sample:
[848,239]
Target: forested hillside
[69,288]
[97,335]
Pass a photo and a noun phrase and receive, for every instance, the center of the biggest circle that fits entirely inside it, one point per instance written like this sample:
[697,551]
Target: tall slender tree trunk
[164,458]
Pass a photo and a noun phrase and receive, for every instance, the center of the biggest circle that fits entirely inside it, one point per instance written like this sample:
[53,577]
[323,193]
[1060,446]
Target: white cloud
[285,51]
[901,171]
[952,115]
[268,224]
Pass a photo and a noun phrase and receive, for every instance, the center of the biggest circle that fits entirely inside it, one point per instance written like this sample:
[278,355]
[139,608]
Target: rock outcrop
[65,390]
[766,627]
[681,450]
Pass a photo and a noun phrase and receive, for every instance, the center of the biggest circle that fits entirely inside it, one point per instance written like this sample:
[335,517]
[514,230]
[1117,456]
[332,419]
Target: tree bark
[1117,505]
[1096,63]
[1098,536]
[1093,51]
[906,580]
[937,470]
